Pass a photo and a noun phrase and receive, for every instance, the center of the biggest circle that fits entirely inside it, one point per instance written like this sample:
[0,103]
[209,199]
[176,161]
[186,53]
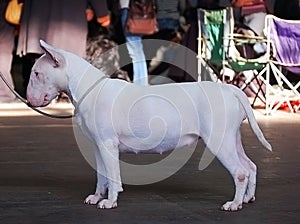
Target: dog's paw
[93,199]
[106,204]
[231,206]
[249,199]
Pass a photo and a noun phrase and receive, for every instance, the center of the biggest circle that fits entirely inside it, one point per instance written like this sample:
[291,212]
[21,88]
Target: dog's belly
[165,145]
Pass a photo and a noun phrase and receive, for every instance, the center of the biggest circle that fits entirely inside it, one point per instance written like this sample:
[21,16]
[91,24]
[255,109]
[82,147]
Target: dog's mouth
[45,103]
[34,105]
[41,102]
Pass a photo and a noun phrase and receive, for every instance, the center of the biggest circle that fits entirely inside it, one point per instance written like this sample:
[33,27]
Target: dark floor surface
[44,179]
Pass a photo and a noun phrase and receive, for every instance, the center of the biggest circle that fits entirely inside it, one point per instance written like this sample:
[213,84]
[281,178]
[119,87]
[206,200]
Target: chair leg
[251,86]
[259,90]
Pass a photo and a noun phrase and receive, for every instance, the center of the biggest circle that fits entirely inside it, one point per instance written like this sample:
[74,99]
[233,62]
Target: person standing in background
[135,49]
[170,15]
[7,38]
[61,23]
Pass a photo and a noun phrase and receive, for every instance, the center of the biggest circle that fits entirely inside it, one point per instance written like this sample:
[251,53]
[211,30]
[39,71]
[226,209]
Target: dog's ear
[54,55]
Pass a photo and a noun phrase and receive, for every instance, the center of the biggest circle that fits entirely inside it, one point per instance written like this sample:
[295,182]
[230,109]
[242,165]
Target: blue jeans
[169,24]
[136,52]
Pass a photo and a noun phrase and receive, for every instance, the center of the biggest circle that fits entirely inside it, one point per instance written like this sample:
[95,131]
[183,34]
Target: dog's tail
[241,96]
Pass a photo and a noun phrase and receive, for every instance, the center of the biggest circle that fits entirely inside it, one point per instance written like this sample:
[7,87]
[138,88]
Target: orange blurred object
[240,3]
[104,20]
[89,14]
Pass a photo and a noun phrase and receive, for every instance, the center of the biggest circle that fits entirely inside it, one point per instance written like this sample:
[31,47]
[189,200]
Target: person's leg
[27,62]
[5,66]
[6,55]
[256,22]
[136,52]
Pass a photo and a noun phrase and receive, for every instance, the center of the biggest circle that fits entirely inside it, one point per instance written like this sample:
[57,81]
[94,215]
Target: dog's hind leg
[247,163]
[102,182]
[228,156]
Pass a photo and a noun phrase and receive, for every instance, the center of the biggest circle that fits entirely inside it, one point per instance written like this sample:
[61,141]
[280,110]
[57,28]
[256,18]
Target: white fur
[120,116]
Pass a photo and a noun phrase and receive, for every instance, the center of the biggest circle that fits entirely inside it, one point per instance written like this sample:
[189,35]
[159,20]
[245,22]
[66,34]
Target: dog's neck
[81,77]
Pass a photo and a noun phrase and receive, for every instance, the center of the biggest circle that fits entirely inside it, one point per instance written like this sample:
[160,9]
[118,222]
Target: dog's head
[48,77]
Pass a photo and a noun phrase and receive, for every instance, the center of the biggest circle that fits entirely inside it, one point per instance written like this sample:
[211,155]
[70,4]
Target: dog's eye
[36,74]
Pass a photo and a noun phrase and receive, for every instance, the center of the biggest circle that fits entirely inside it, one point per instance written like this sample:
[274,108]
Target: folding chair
[211,52]
[283,51]
[217,54]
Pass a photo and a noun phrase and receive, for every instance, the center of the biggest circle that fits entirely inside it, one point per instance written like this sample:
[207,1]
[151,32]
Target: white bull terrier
[119,116]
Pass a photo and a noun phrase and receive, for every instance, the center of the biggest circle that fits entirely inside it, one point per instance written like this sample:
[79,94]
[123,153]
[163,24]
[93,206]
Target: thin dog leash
[28,104]
[89,90]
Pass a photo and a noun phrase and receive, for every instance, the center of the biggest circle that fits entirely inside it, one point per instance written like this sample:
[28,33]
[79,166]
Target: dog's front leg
[109,153]
[102,182]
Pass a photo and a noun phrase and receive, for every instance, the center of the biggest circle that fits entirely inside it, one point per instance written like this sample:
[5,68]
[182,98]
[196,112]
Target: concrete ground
[44,178]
